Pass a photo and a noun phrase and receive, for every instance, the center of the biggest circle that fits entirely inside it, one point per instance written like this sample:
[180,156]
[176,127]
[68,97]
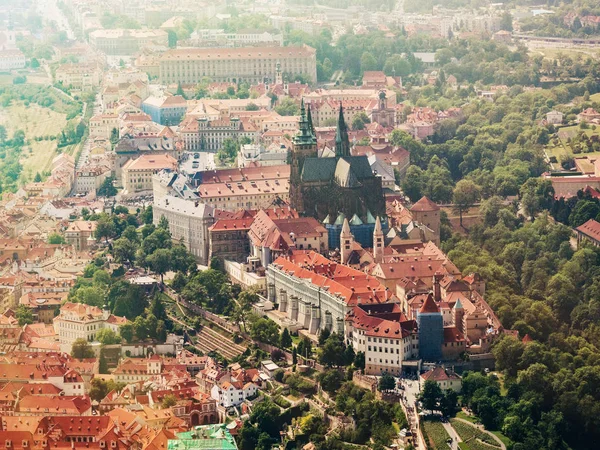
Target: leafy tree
[163,223]
[305,347]
[81,349]
[583,211]
[89,295]
[359,121]
[24,315]
[324,335]
[100,388]
[448,403]
[105,228]
[127,332]
[287,107]
[265,330]
[179,281]
[107,188]
[386,382]
[168,401]
[331,380]
[466,193]
[146,215]
[431,395]
[55,238]
[359,361]
[333,352]
[124,250]
[106,336]
[285,341]
[160,262]
[102,364]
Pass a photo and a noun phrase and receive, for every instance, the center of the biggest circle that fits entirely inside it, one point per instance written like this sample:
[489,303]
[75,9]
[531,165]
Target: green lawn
[506,441]
[435,434]
[462,415]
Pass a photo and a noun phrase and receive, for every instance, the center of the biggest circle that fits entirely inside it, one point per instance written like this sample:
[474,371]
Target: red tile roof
[424,204]
[429,306]
[591,229]
[440,374]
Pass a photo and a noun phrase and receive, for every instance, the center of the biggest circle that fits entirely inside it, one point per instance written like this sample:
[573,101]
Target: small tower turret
[346,240]
[378,241]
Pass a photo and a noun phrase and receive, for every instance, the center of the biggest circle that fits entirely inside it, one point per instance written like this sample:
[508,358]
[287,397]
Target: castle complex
[329,185]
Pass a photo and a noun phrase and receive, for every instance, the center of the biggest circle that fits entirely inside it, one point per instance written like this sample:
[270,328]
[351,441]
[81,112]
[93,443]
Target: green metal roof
[340,219]
[370,218]
[206,437]
[355,220]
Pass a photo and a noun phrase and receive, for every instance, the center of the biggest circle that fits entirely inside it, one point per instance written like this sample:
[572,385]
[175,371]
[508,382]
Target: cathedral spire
[305,135]
[342,143]
[310,122]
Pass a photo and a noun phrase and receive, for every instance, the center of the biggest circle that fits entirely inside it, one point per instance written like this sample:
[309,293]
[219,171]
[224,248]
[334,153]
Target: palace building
[249,64]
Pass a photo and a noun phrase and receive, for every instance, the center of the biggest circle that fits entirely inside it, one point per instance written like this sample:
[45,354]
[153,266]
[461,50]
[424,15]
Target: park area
[36,122]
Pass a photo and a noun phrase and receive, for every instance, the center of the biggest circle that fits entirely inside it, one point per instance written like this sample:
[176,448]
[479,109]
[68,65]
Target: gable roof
[591,229]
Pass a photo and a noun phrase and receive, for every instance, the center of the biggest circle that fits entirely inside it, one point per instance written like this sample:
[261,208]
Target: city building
[102,125]
[315,292]
[137,173]
[79,321]
[12,59]
[249,64]
[590,232]
[80,234]
[84,77]
[201,134]
[385,336]
[258,155]
[233,393]
[554,117]
[247,188]
[120,42]
[165,110]
[445,378]
[189,221]
[271,238]
[212,37]
[228,239]
[90,178]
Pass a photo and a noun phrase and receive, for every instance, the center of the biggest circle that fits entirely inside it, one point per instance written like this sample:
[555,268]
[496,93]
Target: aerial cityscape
[300,225]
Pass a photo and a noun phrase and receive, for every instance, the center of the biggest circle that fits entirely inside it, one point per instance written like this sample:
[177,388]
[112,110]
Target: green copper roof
[206,437]
[340,219]
[305,135]
[326,220]
[355,220]
[458,304]
[370,218]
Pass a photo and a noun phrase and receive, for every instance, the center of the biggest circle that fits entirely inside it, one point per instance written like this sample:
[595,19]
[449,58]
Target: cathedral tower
[304,144]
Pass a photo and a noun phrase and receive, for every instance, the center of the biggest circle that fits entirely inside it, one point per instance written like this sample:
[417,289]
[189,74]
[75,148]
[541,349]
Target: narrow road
[453,434]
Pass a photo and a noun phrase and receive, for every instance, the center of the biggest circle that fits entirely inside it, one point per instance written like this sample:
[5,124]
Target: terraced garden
[474,438]
[435,435]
